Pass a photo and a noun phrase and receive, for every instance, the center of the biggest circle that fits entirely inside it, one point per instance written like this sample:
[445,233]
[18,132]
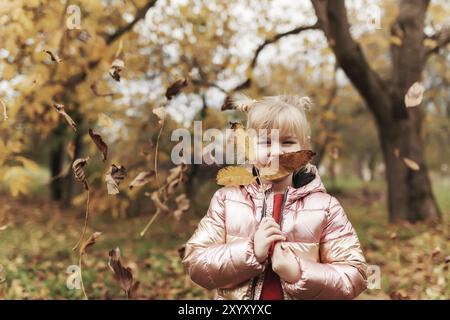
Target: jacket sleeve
[341,274]
[210,261]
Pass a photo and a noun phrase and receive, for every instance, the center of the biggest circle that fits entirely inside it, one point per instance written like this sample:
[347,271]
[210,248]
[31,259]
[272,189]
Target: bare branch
[140,14]
[247,82]
[441,38]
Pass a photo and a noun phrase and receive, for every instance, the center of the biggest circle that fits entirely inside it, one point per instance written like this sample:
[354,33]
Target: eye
[289,142]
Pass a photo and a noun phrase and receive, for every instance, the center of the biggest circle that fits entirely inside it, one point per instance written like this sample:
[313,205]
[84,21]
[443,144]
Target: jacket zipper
[263,214]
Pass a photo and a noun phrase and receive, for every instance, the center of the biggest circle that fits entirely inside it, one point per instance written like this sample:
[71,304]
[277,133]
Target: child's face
[269,146]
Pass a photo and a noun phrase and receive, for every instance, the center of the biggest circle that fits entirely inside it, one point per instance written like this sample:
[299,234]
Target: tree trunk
[410,195]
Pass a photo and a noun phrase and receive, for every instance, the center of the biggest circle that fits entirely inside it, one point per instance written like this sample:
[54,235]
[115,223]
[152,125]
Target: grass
[35,250]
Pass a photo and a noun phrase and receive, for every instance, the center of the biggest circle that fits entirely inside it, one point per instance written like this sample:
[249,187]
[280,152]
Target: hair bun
[302,103]
[243,102]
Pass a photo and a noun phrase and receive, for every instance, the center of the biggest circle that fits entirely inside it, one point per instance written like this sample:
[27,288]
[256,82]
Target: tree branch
[140,14]
[81,76]
[442,39]
[332,18]
[247,82]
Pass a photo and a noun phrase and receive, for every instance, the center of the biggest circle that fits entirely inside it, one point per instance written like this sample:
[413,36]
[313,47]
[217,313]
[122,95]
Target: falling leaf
[114,177]
[142,178]
[228,104]
[94,89]
[101,145]
[53,56]
[89,242]
[160,113]
[182,205]
[116,67]
[411,164]
[60,109]
[175,88]
[161,207]
[77,168]
[122,275]
[5,115]
[414,95]
[234,176]
[176,176]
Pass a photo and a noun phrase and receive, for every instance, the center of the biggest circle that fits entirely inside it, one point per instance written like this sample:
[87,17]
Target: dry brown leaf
[101,145]
[411,164]
[122,275]
[60,109]
[89,242]
[183,204]
[142,178]
[77,168]
[116,67]
[175,88]
[234,176]
[160,206]
[228,104]
[114,177]
[53,56]
[414,95]
[160,113]
[287,163]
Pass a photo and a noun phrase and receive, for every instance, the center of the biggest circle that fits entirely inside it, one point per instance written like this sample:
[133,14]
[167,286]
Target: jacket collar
[304,182]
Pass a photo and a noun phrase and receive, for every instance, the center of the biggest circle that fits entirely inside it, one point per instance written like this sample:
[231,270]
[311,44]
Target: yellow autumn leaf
[17,179]
[234,176]
[395,40]
[28,164]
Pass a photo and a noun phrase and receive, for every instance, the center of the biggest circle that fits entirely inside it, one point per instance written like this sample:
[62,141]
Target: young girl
[280,239]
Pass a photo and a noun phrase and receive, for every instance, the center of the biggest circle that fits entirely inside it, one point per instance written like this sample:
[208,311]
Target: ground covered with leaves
[36,240]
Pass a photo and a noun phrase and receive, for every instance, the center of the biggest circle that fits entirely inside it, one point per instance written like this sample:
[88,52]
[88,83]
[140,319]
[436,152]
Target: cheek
[261,154]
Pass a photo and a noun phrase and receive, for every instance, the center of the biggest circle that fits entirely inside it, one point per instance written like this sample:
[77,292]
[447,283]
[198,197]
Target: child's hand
[285,264]
[268,231]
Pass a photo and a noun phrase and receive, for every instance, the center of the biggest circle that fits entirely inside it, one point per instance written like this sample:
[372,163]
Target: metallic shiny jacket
[220,255]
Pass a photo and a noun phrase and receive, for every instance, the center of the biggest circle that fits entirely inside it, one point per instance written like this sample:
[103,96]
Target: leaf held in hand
[101,145]
[234,176]
[288,163]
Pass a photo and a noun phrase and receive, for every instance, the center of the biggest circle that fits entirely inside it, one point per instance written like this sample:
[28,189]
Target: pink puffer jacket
[220,253]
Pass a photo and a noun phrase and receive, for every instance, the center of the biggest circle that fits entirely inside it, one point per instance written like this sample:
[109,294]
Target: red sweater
[271,289]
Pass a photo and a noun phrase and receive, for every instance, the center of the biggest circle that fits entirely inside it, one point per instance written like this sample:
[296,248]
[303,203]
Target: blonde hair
[286,113]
